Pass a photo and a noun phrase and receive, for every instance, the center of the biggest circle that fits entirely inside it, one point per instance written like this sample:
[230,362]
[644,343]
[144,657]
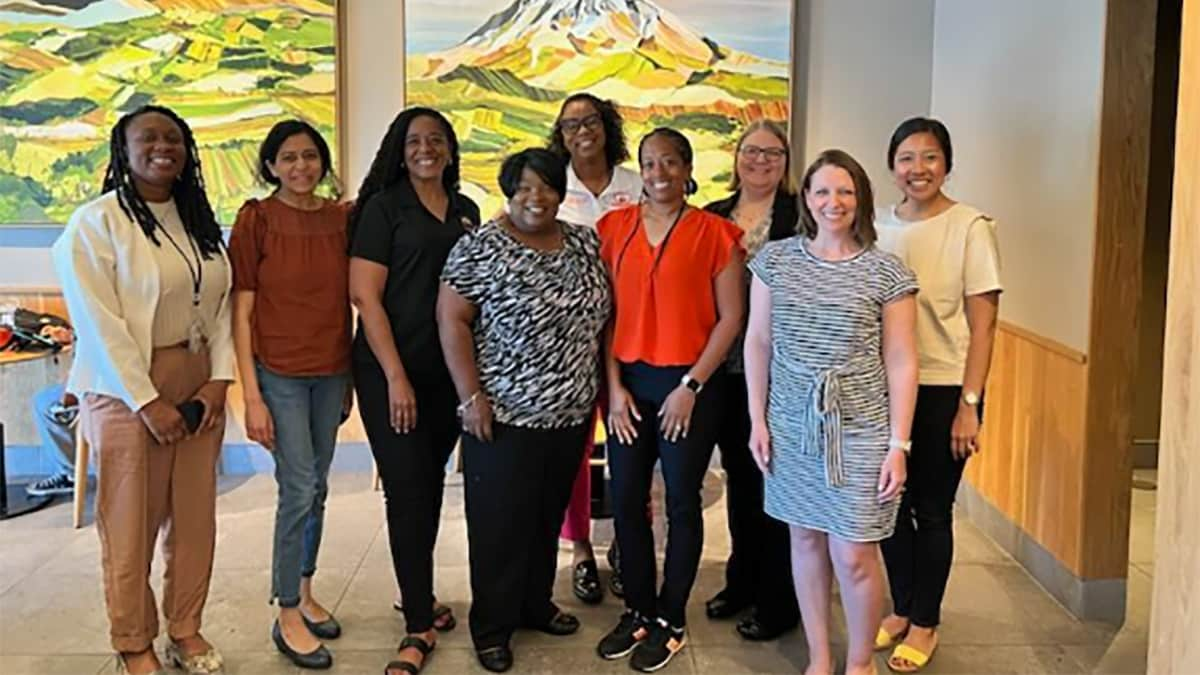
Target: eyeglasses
[571,127]
[770,154]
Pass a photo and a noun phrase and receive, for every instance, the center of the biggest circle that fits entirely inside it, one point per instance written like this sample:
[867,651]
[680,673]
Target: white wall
[1019,85]
[868,69]
[373,80]
[25,268]
[373,86]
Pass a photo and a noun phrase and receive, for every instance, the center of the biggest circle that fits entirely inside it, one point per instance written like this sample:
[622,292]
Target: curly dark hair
[388,169]
[615,149]
[187,191]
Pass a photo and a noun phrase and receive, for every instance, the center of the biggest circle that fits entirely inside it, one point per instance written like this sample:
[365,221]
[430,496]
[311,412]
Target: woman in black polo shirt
[408,216]
[522,307]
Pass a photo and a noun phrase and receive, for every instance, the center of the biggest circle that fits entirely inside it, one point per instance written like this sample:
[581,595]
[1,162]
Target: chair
[82,453]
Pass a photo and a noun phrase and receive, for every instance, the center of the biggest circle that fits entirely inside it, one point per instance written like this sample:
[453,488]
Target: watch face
[971,398]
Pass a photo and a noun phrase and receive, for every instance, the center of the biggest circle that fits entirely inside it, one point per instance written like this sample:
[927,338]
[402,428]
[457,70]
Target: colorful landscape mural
[232,68]
[500,70]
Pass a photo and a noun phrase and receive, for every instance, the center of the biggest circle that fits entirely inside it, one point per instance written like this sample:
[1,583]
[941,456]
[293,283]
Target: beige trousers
[145,487]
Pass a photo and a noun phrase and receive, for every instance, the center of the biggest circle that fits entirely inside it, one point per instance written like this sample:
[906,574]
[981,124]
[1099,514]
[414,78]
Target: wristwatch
[691,383]
[970,398]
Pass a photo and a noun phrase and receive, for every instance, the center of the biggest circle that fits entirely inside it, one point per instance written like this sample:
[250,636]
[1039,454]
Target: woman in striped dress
[831,373]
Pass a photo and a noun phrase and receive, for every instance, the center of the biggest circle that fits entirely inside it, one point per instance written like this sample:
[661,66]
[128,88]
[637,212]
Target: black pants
[919,553]
[517,489]
[683,466]
[759,569]
[412,468]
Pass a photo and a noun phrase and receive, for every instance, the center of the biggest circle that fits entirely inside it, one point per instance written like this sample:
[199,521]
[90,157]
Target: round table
[23,374]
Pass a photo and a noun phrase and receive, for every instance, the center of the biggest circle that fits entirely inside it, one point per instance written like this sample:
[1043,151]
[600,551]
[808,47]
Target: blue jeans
[57,434]
[306,412]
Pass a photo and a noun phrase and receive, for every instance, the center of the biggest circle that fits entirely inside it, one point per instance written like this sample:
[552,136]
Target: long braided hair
[388,169]
[187,191]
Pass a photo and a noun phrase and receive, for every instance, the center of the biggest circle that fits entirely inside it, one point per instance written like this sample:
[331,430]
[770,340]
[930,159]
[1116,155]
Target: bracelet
[898,444]
[462,407]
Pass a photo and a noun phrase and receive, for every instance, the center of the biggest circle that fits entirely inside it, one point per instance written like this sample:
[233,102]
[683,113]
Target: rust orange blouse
[296,263]
[665,311]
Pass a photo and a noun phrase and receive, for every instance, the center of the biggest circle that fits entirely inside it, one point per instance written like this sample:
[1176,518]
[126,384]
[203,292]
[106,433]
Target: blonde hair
[787,183]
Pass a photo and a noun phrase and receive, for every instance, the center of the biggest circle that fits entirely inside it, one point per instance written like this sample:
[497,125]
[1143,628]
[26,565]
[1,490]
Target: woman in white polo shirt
[588,132]
[952,248]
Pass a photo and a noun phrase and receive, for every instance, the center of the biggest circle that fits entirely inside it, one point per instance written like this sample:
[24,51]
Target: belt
[822,416]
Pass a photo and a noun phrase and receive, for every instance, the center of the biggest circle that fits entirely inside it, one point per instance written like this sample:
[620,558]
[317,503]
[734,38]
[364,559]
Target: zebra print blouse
[541,315]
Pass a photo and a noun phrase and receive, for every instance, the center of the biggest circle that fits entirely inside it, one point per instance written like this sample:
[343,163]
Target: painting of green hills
[232,68]
[500,69]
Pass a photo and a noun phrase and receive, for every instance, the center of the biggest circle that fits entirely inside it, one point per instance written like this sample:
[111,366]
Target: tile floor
[996,618]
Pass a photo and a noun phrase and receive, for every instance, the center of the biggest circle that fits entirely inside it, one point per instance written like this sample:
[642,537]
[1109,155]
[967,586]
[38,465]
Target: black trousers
[683,466]
[759,569]
[412,469]
[517,489]
[918,555]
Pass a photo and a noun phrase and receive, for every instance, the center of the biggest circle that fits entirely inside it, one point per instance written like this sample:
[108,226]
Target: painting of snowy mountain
[232,68]
[500,70]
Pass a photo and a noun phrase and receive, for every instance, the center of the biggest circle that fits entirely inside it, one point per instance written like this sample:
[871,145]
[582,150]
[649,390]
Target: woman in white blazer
[146,281]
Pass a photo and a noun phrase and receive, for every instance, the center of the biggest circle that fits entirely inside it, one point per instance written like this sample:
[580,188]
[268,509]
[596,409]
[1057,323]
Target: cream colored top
[175,314]
[954,254]
[110,279]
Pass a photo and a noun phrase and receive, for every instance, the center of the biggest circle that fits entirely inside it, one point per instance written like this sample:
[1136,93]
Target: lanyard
[662,245]
[197,273]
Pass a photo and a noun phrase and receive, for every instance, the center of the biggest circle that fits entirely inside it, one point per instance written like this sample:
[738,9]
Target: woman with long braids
[146,281]
[677,282]
[408,215]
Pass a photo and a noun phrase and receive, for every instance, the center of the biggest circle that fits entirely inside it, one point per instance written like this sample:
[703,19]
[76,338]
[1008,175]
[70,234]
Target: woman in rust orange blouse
[292,334]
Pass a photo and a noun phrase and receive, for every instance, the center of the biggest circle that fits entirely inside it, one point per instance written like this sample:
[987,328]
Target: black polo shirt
[397,231]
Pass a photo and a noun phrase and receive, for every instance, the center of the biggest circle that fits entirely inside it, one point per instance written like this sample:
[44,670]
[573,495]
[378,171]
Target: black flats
[722,606]
[318,659]
[561,624]
[495,659]
[755,629]
[328,629]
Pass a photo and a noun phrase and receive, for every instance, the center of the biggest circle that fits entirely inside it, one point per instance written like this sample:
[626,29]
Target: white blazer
[110,281]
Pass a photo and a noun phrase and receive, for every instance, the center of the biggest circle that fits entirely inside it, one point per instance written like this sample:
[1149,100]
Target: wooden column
[1175,612]
[1116,287]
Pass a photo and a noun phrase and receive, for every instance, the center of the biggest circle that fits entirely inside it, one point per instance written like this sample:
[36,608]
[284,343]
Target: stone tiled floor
[996,619]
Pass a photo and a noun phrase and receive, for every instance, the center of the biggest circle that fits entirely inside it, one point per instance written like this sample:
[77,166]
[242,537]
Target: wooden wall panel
[1175,611]
[1031,467]
[1054,507]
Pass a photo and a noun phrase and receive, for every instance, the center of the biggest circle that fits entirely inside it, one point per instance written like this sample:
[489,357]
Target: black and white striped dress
[827,404]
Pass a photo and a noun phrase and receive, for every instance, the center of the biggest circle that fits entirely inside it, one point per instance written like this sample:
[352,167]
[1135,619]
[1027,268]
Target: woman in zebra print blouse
[522,306]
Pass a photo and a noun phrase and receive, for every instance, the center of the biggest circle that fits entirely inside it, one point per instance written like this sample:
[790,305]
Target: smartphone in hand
[192,412]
